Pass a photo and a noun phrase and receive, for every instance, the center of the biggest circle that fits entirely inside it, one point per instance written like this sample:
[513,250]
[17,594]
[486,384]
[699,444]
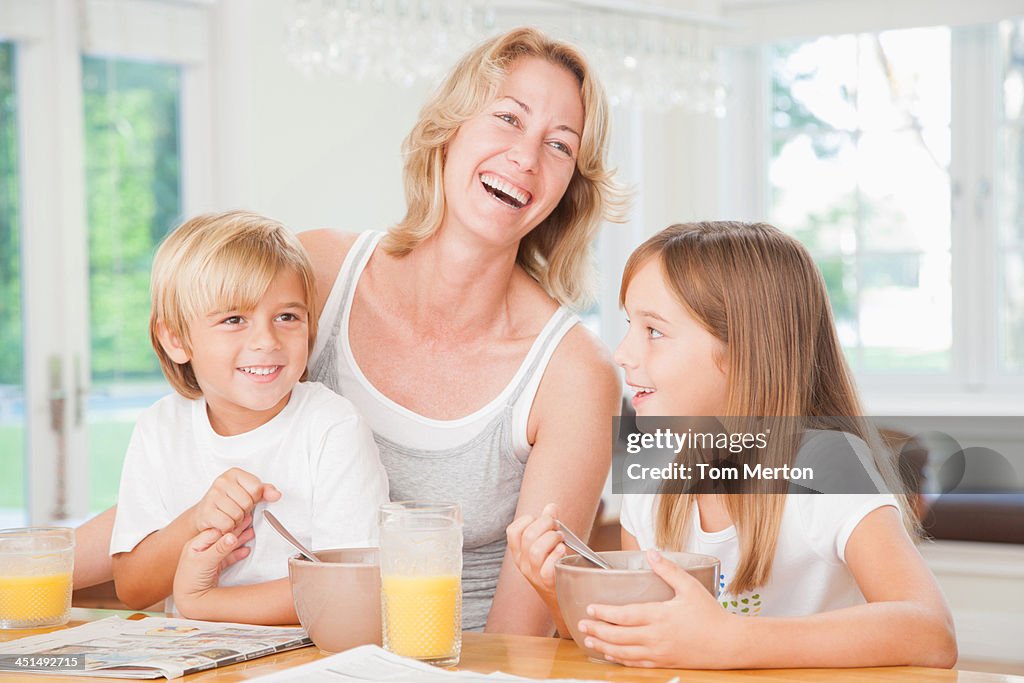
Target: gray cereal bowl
[579,584]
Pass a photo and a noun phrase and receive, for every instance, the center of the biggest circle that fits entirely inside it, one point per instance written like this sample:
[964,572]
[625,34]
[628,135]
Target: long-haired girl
[732,319]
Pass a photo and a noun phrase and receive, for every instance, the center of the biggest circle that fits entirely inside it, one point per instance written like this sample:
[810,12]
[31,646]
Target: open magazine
[147,648]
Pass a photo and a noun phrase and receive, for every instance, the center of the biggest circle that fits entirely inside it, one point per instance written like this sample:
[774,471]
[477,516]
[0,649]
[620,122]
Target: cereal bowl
[579,584]
[338,598]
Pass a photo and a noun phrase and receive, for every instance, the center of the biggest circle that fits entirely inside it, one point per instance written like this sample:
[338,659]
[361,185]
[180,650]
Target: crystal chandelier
[647,56]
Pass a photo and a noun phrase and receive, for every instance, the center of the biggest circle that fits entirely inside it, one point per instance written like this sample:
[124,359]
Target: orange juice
[422,615]
[35,599]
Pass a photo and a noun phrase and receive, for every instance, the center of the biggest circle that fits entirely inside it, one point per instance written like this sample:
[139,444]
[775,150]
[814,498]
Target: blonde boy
[232,326]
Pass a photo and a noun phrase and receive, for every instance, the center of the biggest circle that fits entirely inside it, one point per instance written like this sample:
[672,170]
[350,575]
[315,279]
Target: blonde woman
[452,332]
[731,319]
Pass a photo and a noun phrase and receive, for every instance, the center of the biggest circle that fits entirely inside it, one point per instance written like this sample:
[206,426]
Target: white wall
[311,152]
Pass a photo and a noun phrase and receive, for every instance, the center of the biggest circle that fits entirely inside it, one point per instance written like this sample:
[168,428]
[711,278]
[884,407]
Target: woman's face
[508,167]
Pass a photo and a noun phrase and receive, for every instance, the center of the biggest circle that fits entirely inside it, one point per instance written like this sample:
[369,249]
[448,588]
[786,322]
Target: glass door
[133,188]
[12,389]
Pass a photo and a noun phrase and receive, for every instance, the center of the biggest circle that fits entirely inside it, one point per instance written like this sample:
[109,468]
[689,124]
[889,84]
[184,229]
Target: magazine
[153,647]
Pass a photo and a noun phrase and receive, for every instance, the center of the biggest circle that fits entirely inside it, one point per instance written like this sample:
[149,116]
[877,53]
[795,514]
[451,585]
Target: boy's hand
[534,546]
[231,497]
[199,567]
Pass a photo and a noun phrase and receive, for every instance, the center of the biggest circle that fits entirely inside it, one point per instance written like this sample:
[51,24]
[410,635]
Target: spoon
[574,542]
[286,535]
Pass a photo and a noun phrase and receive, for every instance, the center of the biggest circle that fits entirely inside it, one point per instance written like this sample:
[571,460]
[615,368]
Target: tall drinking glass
[421,580]
[35,576]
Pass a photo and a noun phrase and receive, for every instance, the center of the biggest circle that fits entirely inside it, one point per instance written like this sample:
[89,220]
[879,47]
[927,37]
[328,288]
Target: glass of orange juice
[35,576]
[421,580]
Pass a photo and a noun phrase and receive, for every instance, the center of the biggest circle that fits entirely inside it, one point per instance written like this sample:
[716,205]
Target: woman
[452,336]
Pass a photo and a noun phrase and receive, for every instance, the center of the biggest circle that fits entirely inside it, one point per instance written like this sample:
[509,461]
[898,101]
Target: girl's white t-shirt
[809,574]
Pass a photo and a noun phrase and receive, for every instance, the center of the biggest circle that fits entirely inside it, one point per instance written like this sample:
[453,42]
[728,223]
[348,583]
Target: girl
[732,319]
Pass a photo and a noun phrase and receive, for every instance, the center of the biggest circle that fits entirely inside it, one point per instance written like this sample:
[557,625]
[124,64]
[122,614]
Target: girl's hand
[689,631]
[534,546]
[199,567]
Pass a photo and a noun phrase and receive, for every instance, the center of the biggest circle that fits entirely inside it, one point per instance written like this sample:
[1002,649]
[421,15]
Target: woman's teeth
[505,192]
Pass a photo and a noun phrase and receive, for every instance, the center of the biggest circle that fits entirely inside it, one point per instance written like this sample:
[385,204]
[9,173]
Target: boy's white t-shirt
[318,451]
[809,574]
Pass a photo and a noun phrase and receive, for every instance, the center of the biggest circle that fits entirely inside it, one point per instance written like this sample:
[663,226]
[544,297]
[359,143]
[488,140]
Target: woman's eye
[561,147]
[653,333]
[508,118]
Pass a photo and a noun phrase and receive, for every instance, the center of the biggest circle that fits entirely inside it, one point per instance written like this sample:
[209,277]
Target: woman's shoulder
[327,246]
[581,373]
[327,249]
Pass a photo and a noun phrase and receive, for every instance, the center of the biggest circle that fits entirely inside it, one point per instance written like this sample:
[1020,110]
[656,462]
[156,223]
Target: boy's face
[246,362]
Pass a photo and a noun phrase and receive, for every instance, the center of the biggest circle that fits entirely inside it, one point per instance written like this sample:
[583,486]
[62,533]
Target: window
[134,198]
[12,396]
[859,172]
[897,158]
[1010,197]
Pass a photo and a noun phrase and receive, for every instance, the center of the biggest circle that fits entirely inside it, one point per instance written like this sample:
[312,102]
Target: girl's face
[671,361]
[507,168]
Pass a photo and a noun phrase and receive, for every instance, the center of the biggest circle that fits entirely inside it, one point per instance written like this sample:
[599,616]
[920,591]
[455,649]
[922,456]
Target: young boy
[232,326]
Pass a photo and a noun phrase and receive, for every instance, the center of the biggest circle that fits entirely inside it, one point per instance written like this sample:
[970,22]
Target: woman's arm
[568,465]
[905,621]
[92,550]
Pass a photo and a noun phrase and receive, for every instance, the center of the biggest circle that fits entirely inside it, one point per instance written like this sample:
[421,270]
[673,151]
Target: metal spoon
[573,541]
[286,535]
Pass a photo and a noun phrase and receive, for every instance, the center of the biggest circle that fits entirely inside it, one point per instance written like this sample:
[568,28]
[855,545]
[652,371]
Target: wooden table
[540,658]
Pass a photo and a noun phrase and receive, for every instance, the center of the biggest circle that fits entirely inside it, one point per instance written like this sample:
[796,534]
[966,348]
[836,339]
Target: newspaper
[371,663]
[154,647]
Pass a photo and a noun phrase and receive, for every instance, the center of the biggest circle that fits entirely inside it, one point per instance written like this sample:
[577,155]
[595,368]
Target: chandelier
[646,55]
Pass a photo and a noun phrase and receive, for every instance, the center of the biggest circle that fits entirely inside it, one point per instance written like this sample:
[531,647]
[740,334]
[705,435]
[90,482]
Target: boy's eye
[288,317]
[232,320]
[653,333]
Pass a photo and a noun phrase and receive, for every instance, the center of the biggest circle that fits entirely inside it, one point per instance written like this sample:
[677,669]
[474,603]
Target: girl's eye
[509,118]
[653,333]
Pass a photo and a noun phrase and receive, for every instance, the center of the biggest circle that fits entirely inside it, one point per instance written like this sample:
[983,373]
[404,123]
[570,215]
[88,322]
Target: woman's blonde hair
[556,253]
[759,292]
[219,261]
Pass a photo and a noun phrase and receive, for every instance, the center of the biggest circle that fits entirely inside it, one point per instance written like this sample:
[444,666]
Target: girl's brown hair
[759,292]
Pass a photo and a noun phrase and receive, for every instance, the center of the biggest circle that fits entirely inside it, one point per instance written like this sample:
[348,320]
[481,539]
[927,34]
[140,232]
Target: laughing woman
[452,333]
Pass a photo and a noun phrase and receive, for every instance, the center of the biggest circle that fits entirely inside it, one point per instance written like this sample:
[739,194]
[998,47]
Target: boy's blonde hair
[216,261]
[556,253]
[759,292]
